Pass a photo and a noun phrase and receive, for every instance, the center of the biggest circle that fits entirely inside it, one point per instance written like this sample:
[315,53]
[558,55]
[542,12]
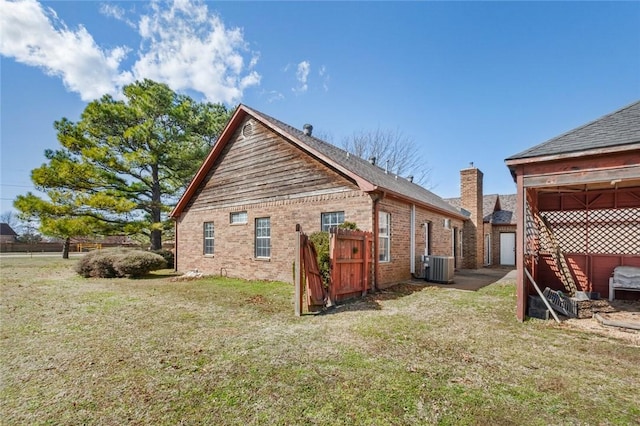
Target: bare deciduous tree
[393,150]
[11,218]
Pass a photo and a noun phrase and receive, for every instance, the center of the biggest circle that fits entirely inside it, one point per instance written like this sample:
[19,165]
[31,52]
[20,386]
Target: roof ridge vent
[307,129]
[372,160]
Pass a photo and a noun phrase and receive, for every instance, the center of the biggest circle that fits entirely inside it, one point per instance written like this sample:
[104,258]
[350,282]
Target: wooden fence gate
[350,264]
[350,254]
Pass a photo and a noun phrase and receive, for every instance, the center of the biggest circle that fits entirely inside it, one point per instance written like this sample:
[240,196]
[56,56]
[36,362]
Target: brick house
[493,243]
[238,215]
[7,234]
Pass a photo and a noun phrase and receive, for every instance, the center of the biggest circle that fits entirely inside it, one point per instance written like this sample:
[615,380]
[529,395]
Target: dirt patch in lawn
[616,324]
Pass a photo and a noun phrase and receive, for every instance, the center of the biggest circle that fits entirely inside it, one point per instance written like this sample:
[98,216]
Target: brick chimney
[473,232]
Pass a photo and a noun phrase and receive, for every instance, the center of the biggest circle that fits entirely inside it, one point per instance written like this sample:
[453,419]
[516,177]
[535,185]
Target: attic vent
[247,129]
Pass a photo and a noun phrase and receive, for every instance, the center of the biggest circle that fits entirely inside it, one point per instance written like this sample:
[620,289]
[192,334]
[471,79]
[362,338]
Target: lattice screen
[532,236]
[609,231]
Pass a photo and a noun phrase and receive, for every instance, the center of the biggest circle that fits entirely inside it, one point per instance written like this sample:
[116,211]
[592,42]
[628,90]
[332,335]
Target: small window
[329,220]
[238,217]
[384,237]
[263,237]
[208,238]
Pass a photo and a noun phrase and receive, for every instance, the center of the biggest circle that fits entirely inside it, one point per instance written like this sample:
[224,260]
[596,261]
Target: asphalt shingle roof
[496,209]
[363,168]
[618,128]
[5,229]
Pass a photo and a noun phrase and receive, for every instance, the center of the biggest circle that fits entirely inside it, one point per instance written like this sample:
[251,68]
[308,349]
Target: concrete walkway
[475,279]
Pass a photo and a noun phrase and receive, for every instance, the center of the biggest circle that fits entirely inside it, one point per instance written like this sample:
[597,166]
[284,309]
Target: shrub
[320,241]
[138,263]
[98,263]
[117,263]
[349,225]
[168,256]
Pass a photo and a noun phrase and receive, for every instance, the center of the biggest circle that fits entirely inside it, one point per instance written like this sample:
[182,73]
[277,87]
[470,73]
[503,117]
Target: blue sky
[467,82]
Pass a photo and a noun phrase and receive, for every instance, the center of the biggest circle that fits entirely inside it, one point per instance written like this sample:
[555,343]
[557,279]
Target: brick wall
[399,269]
[471,200]
[234,244]
[495,241]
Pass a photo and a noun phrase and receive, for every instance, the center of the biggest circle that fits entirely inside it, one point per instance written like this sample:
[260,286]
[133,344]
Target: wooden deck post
[521,284]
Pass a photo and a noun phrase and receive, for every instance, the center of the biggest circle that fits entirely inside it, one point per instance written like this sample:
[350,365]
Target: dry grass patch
[225,351]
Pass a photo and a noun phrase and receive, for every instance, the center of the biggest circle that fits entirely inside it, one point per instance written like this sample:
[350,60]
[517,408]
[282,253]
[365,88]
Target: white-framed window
[208,238]
[331,219]
[263,237]
[487,249]
[238,218]
[384,236]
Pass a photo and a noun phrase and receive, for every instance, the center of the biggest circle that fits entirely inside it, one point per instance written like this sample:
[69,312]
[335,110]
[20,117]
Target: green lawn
[229,352]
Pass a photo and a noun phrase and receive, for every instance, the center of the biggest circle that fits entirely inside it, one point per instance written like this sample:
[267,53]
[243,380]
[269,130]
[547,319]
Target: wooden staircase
[556,254]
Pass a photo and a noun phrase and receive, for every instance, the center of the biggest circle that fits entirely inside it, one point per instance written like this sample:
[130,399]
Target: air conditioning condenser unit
[439,269]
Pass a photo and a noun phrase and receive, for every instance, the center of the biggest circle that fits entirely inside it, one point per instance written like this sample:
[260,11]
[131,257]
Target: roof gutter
[431,207]
[562,156]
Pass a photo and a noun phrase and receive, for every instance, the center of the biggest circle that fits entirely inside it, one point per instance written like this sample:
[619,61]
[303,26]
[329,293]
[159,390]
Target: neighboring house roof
[5,229]
[367,176]
[620,129]
[496,209]
[504,212]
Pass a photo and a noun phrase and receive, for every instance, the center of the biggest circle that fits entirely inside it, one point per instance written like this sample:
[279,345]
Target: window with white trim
[263,237]
[384,237]
[208,234]
[331,219]
[238,218]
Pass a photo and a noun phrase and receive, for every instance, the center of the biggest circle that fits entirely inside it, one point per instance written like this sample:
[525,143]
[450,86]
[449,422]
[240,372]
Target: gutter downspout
[175,246]
[376,241]
[412,241]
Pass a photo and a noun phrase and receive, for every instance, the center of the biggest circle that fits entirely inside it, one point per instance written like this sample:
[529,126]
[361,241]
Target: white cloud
[273,96]
[35,36]
[324,76]
[188,48]
[302,75]
[182,45]
[114,11]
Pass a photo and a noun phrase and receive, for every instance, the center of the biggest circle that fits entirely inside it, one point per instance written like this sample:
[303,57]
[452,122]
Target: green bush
[320,241]
[118,263]
[168,256]
[138,263]
[98,263]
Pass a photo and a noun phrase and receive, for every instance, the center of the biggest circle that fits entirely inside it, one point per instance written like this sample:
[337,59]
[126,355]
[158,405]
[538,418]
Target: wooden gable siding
[261,167]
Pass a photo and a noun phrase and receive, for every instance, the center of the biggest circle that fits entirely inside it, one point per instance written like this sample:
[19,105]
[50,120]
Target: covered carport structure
[578,208]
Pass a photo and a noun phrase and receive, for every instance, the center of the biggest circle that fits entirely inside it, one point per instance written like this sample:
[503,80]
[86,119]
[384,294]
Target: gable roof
[496,209]
[5,229]
[368,177]
[504,212]
[619,130]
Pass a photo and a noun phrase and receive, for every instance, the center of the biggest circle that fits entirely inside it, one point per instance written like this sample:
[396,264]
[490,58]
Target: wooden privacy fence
[350,267]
